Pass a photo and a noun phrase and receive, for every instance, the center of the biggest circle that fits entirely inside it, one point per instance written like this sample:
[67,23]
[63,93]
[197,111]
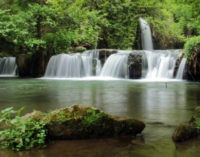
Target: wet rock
[32,65]
[24,64]
[185,132]
[79,122]
[135,65]
[193,65]
[178,62]
[105,53]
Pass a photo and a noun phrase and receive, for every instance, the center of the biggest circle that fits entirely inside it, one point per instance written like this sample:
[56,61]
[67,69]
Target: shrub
[20,134]
[192,46]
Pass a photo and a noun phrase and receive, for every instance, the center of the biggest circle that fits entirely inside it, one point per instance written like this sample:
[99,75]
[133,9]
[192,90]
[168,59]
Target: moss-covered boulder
[188,130]
[185,132]
[80,122]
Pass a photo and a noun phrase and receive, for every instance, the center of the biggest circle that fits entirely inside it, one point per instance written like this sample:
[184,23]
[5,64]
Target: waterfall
[147,43]
[161,63]
[181,69]
[74,65]
[116,65]
[8,66]
[149,64]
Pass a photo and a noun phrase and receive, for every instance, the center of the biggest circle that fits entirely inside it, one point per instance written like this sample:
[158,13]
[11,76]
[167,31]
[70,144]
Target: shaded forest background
[57,26]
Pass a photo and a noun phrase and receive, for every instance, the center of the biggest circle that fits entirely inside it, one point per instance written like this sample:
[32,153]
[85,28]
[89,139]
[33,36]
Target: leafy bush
[192,46]
[198,124]
[20,134]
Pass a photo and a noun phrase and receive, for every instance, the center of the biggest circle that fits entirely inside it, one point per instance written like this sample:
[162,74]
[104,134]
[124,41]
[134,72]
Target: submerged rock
[79,122]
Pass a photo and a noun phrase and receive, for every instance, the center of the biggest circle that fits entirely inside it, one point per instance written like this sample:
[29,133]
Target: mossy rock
[185,132]
[80,122]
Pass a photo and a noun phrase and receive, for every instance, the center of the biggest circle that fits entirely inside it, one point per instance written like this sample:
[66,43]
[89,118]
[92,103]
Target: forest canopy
[57,26]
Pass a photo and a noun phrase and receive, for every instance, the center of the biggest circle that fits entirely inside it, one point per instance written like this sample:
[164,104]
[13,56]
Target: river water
[161,105]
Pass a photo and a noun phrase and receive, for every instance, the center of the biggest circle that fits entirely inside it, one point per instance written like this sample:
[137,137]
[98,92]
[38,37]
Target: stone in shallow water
[80,122]
[185,132]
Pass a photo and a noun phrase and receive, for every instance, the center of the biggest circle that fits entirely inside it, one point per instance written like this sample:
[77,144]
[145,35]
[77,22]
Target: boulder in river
[80,122]
[185,132]
[188,130]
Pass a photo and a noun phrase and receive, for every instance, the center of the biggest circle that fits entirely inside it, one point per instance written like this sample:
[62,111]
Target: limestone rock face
[80,122]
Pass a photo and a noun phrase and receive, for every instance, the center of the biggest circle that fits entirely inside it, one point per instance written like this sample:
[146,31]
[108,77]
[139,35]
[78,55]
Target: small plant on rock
[20,134]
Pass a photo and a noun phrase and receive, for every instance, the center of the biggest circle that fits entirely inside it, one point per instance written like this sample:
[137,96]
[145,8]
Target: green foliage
[187,16]
[192,46]
[58,42]
[20,134]
[58,26]
[92,117]
[198,124]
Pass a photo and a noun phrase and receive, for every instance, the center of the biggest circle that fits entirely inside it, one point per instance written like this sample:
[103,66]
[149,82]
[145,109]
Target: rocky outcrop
[193,65]
[135,65]
[188,130]
[178,62]
[185,132]
[24,65]
[105,53]
[162,42]
[32,65]
[79,122]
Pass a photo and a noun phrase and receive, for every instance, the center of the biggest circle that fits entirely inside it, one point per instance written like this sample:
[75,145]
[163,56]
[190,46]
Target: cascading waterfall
[161,63]
[181,68]
[147,42]
[153,64]
[72,65]
[8,66]
[150,64]
[116,65]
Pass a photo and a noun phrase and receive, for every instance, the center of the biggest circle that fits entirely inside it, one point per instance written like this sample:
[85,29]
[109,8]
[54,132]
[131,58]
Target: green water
[161,105]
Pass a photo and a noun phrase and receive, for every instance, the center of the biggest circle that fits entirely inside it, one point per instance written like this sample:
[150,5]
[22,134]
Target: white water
[147,42]
[116,65]
[161,63]
[72,65]
[181,68]
[8,66]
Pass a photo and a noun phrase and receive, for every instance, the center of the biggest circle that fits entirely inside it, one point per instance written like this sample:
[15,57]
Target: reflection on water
[152,102]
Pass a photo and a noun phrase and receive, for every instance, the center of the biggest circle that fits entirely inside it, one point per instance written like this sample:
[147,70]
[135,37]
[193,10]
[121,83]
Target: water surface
[161,105]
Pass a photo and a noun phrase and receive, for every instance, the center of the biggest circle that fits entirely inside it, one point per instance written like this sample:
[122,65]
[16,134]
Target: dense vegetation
[55,26]
[76,122]
[21,133]
[18,134]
